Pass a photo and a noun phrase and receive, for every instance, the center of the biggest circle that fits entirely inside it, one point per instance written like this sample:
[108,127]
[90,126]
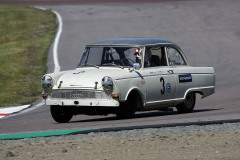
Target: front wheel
[61,114]
[127,109]
[188,105]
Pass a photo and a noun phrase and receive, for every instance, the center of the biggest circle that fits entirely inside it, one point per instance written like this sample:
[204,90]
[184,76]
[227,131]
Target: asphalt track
[207,31]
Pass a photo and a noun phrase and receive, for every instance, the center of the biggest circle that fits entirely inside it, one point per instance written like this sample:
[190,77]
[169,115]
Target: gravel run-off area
[188,142]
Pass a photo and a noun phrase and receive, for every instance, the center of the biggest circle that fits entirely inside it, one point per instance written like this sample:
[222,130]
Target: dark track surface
[207,31]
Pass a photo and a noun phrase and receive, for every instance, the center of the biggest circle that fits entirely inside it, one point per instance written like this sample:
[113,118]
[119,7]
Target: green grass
[26,34]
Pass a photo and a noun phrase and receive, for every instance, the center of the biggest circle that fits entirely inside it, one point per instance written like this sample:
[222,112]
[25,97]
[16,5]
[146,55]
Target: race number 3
[163,85]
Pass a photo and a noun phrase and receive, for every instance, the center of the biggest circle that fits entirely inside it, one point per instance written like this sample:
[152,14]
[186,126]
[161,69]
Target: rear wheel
[61,114]
[188,105]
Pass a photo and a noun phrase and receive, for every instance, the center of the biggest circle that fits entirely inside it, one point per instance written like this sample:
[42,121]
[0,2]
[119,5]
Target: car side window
[174,57]
[154,57]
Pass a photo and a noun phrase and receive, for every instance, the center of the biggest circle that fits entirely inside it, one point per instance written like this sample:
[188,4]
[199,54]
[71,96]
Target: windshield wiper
[87,64]
[112,64]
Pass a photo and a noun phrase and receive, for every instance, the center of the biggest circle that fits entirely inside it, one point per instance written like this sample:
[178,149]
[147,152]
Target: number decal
[163,84]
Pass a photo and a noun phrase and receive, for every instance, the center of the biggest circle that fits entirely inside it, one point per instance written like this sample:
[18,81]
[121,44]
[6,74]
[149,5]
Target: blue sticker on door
[185,78]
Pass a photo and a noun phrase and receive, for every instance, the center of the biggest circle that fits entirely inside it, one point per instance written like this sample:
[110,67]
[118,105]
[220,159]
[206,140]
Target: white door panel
[160,85]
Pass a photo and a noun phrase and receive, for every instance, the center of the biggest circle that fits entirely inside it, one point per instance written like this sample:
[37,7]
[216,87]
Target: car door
[160,85]
[184,79]
[160,79]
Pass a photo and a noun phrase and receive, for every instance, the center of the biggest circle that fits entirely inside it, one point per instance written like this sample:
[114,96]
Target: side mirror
[136,66]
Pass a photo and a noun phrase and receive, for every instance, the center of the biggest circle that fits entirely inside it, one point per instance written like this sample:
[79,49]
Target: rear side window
[174,57]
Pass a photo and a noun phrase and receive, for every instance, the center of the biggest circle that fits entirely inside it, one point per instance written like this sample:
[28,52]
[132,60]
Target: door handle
[170,71]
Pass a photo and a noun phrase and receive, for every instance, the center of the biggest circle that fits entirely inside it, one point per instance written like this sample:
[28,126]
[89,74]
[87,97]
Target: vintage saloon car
[125,75]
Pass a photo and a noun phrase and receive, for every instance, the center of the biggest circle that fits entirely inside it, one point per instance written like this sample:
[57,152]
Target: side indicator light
[115,95]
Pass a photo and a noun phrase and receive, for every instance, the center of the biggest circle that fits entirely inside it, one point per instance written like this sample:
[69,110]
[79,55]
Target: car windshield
[111,56]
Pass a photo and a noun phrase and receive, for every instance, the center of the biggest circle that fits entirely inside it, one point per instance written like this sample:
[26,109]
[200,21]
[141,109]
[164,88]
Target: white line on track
[56,41]
[10,110]
[55,47]
[40,8]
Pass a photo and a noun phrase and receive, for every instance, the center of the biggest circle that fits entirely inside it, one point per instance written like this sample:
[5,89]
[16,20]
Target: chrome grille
[79,94]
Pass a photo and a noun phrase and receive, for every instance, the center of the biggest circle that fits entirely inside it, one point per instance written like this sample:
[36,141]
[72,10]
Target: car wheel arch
[194,90]
[139,97]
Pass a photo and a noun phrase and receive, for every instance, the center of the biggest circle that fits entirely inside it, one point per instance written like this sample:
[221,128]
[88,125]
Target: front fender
[143,98]
[55,77]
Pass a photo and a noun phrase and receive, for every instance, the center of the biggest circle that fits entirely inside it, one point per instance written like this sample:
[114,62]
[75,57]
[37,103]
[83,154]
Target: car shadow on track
[142,115]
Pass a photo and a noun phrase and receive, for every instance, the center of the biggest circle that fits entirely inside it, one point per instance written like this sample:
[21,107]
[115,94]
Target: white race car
[125,75]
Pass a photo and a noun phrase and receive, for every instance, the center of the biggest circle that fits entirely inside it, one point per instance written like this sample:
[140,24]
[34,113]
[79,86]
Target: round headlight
[47,81]
[107,83]
[47,85]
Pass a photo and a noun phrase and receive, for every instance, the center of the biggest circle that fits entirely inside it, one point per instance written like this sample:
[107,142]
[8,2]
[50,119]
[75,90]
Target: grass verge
[26,34]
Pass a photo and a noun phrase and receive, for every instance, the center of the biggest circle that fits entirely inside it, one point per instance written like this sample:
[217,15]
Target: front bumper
[83,102]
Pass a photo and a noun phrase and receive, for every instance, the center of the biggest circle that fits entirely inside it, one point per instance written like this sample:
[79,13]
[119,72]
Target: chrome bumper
[83,102]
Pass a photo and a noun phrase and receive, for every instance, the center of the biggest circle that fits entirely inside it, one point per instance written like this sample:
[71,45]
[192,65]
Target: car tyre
[127,109]
[61,114]
[188,105]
